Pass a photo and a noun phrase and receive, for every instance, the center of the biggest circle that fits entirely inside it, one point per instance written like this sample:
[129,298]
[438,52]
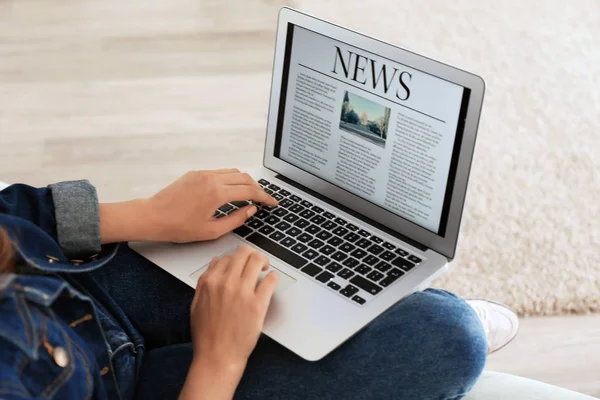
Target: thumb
[233,220]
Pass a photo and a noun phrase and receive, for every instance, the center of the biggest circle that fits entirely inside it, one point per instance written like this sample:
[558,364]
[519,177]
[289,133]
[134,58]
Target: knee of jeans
[459,340]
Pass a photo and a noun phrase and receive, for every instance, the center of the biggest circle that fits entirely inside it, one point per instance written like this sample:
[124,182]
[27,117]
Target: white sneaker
[500,323]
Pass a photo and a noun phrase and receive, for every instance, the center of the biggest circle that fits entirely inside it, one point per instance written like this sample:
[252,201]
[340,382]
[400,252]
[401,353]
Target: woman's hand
[227,316]
[183,211]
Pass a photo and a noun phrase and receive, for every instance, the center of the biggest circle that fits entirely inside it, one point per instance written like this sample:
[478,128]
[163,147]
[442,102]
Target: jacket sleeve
[67,211]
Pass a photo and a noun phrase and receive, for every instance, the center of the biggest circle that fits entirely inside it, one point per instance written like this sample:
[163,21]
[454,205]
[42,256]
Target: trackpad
[285,280]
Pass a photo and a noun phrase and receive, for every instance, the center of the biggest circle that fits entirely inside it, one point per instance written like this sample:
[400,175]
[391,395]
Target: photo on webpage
[365,119]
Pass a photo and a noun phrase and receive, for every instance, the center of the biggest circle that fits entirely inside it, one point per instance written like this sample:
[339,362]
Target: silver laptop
[368,151]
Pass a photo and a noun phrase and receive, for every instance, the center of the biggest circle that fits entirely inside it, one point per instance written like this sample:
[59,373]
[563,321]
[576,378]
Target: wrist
[131,220]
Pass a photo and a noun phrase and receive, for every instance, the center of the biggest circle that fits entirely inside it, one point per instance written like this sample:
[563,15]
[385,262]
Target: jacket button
[60,356]
[93,257]
[104,371]
[76,262]
[51,259]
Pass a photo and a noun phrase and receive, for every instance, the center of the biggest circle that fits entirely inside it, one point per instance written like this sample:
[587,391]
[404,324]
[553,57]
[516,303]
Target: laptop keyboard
[346,258]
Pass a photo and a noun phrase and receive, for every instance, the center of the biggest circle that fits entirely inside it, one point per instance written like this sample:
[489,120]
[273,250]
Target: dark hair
[6,253]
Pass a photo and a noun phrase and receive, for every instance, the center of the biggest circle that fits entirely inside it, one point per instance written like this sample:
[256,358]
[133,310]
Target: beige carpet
[131,94]
[531,230]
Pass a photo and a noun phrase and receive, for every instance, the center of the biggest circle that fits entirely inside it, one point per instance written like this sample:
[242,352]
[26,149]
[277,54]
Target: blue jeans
[431,345]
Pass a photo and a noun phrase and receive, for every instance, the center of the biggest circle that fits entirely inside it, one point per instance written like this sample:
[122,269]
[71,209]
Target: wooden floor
[131,94]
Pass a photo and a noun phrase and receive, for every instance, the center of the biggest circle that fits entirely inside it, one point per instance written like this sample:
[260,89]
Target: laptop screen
[373,126]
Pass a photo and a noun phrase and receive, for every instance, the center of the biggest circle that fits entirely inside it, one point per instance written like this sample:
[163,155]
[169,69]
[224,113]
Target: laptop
[368,150]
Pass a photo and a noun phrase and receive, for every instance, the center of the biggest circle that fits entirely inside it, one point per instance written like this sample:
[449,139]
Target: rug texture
[531,229]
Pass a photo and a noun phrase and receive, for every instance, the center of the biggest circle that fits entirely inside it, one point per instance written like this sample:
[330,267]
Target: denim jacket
[61,336]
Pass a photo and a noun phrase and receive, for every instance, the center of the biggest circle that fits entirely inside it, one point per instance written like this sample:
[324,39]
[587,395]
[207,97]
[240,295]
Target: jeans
[431,345]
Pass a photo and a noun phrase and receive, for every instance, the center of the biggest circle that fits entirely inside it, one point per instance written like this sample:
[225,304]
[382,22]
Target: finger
[206,274]
[239,179]
[256,263]
[266,288]
[222,265]
[244,192]
[221,226]
[224,171]
[239,261]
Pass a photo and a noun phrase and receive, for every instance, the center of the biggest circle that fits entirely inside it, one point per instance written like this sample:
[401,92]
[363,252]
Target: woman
[86,318]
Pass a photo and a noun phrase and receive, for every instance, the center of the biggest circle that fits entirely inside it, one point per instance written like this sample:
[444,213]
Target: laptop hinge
[354,213]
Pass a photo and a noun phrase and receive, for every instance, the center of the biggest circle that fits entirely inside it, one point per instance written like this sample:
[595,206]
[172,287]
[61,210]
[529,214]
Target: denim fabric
[429,346]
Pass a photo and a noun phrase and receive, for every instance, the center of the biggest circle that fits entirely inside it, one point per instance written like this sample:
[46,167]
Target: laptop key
[297,208]
[334,286]
[282,226]
[318,219]
[334,267]
[335,241]
[366,285]
[299,247]
[277,236]
[284,192]
[349,291]
[329,215]
[293,231]
[269,191]
[220,215]
[291,218]
[262,213]
[387,255]
[226,207]
[307,214]
[329,225]
[310,254]
[364,233]
[340,221]
[255,224]
[274,187]
[350,262]
[352,237]
[288,241]
[306,203]
[401,253]
[324,235]
[239,204]
[347,247]
[277,196]
[403,263]
[376,239]
[317,209]
[313,229]
[295,198]
[324,276]
[266,230]
[358,299]
[263,182]
[345,273]
[388,280]
[286,203]
[340,231]
[302,223]
[311,270]
[414,259]
[352,227]
[375,249]
[358,253]
[375,276]
[327,250]
[315,243]
[277,250]
[304,237]
[383,266]
[389,246]
[363,269]
[242,231]
[339,256]
[322,261]
[272,220]
[280,212]
[396,272]
[370,260]
[363,243]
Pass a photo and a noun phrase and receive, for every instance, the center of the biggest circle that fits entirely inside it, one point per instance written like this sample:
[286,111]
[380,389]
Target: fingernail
[251,211]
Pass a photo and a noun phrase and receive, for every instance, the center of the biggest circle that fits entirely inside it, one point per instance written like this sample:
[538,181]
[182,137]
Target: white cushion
[498,386]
